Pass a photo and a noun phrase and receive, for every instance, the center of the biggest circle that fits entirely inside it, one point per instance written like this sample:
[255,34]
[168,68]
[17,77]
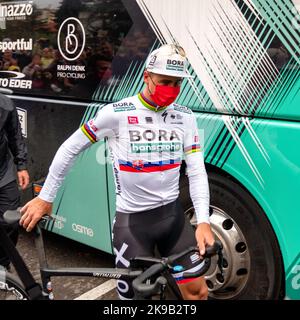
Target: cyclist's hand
[33,211]
[204,237]
[23,178]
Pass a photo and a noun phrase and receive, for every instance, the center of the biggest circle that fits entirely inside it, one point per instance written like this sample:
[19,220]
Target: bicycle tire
[11,288]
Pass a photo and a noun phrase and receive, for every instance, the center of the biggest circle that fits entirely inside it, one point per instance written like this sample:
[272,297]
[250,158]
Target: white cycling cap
[169,60]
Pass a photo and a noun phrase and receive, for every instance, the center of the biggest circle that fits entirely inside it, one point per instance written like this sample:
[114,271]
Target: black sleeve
[15,140]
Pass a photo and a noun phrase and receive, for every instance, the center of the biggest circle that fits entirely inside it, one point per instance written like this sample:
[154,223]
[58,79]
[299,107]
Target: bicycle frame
[140,272]
[48,272]
[34,289]
[109,273]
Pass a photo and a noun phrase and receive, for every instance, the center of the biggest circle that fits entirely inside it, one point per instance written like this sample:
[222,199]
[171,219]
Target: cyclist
[147,137]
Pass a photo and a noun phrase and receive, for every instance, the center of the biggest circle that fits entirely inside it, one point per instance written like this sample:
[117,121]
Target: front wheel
[252,261]
[11,288]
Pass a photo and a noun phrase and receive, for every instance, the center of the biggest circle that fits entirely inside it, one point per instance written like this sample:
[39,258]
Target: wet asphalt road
[63,252]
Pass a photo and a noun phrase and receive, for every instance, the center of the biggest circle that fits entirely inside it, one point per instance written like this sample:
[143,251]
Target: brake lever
[220,261]
[45,219]
[43,223]
[214,249]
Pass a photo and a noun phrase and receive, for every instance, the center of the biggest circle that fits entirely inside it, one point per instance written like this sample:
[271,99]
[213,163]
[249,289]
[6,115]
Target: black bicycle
[151,276]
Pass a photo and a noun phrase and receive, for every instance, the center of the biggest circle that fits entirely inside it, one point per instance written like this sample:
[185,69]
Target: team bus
[65,59]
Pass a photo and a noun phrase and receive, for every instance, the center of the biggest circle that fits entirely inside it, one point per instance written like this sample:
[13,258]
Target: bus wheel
[252,261]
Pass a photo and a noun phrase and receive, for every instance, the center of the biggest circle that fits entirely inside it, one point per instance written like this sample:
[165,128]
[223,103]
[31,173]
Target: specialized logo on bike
[106,275]
[71,39]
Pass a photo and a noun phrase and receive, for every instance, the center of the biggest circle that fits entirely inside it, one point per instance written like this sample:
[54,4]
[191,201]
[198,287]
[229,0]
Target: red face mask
[165,95]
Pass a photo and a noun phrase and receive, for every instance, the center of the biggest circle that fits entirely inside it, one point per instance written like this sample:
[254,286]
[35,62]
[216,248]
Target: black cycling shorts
[138,234]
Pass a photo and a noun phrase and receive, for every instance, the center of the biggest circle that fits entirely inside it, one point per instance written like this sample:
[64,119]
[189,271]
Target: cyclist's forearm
[198,186]
[57,172]
[61,164]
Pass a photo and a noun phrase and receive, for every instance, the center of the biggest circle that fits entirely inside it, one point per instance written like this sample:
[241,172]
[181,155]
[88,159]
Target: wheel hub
[236,263]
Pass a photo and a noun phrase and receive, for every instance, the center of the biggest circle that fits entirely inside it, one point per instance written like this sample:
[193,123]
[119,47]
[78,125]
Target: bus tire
[253,267]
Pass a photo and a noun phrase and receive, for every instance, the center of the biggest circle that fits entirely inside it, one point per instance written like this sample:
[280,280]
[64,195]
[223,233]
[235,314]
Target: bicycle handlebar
[13,216]
[145,289]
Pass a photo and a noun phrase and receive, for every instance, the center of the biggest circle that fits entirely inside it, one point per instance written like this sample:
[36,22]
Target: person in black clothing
[13,157]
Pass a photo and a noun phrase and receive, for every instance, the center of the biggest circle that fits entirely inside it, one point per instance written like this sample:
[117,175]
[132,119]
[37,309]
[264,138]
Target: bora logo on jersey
[151,135]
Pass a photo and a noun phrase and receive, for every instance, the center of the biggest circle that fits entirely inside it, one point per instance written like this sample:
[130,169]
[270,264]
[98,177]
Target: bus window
[71,48]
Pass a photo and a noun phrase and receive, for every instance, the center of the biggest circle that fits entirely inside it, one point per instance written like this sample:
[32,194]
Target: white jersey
[147,145]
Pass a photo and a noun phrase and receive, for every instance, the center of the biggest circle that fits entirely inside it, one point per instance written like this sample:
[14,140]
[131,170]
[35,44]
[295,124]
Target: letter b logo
[71,39]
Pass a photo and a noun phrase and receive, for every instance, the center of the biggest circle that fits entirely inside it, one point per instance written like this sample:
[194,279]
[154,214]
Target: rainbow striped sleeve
[88,132]
[192,149]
